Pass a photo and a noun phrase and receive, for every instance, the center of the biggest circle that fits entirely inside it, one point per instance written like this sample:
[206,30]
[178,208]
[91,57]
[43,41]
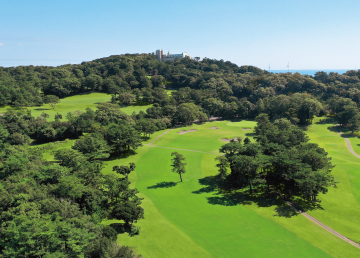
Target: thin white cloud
[20,44]
[2,44]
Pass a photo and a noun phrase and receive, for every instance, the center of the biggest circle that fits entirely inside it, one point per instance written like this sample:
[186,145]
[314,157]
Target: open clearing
[192,219]
[78,102]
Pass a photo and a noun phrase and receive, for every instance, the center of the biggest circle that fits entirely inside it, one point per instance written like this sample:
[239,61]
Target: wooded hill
[54,209]
[217,87]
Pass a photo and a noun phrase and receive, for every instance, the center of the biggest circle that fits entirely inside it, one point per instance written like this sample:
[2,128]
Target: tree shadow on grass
[235,120]
[121,228]
[122,155]
[42,109]
[97,103]
[327,120]
[305,205]
[145,138]
[345,132]
[284,210]
[162,185]
[261,196]
[212,183]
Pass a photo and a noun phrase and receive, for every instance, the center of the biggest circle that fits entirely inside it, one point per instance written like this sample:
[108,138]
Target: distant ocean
[311,72]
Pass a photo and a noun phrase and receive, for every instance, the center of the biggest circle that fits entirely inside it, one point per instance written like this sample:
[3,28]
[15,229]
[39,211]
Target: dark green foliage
[187,113]
[216,87]
[124,170]
[135,231]
[54,210]
[346,112]
[222,165]
[146,126]
[51,100]
[281,158]
[104,248]
[121,137]
[93,146]
[127,211]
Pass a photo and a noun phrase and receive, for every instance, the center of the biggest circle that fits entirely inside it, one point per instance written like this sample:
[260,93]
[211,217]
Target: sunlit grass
[78,102]
[191,216]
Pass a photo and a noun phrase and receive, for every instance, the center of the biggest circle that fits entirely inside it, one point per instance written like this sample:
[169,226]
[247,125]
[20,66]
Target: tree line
[216,87]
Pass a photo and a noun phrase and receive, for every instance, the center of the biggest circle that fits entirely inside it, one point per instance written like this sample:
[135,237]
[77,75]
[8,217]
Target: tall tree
[178,164]
[52,100]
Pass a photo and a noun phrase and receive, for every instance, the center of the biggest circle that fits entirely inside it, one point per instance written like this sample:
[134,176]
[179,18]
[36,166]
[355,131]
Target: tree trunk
[313,198]
[180,177]
[250,188]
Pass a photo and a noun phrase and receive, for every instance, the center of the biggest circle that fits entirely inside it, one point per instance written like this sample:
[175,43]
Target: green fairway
[78,102]
[205,139]
[191,219]
[340,206]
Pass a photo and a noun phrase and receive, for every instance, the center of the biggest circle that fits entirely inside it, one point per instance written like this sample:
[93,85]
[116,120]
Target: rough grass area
[78,102]
[192,219]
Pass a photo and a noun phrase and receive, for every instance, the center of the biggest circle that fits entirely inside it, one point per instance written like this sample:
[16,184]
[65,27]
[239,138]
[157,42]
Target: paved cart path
[319,223]
[348,143]
[151,143]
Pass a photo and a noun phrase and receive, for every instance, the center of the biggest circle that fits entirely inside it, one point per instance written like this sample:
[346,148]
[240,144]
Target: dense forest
[216,87]
[54,209]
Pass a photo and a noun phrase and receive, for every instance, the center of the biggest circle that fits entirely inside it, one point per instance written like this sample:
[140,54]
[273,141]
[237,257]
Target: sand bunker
[214,127]
[228,140]
[184,132]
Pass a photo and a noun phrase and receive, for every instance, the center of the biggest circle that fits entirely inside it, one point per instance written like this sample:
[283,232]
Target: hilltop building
[169,57]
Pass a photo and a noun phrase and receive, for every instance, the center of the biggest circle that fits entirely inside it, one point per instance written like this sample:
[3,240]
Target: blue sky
[315,34]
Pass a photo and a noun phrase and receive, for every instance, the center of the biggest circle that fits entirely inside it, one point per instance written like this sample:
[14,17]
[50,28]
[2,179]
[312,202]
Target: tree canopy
[281,159]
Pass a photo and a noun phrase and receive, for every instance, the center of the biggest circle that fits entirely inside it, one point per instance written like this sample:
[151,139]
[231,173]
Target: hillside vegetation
[217,87]
[73,148]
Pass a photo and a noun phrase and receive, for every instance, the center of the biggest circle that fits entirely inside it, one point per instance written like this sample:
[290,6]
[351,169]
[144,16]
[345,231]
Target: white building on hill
[169,57]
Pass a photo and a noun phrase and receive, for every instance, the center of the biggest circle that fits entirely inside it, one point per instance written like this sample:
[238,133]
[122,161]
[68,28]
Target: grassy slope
[223,231]
[179,223]
[341,209]
[78,102]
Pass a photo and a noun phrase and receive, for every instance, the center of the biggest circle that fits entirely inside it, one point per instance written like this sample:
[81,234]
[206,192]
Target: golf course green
[193,219]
